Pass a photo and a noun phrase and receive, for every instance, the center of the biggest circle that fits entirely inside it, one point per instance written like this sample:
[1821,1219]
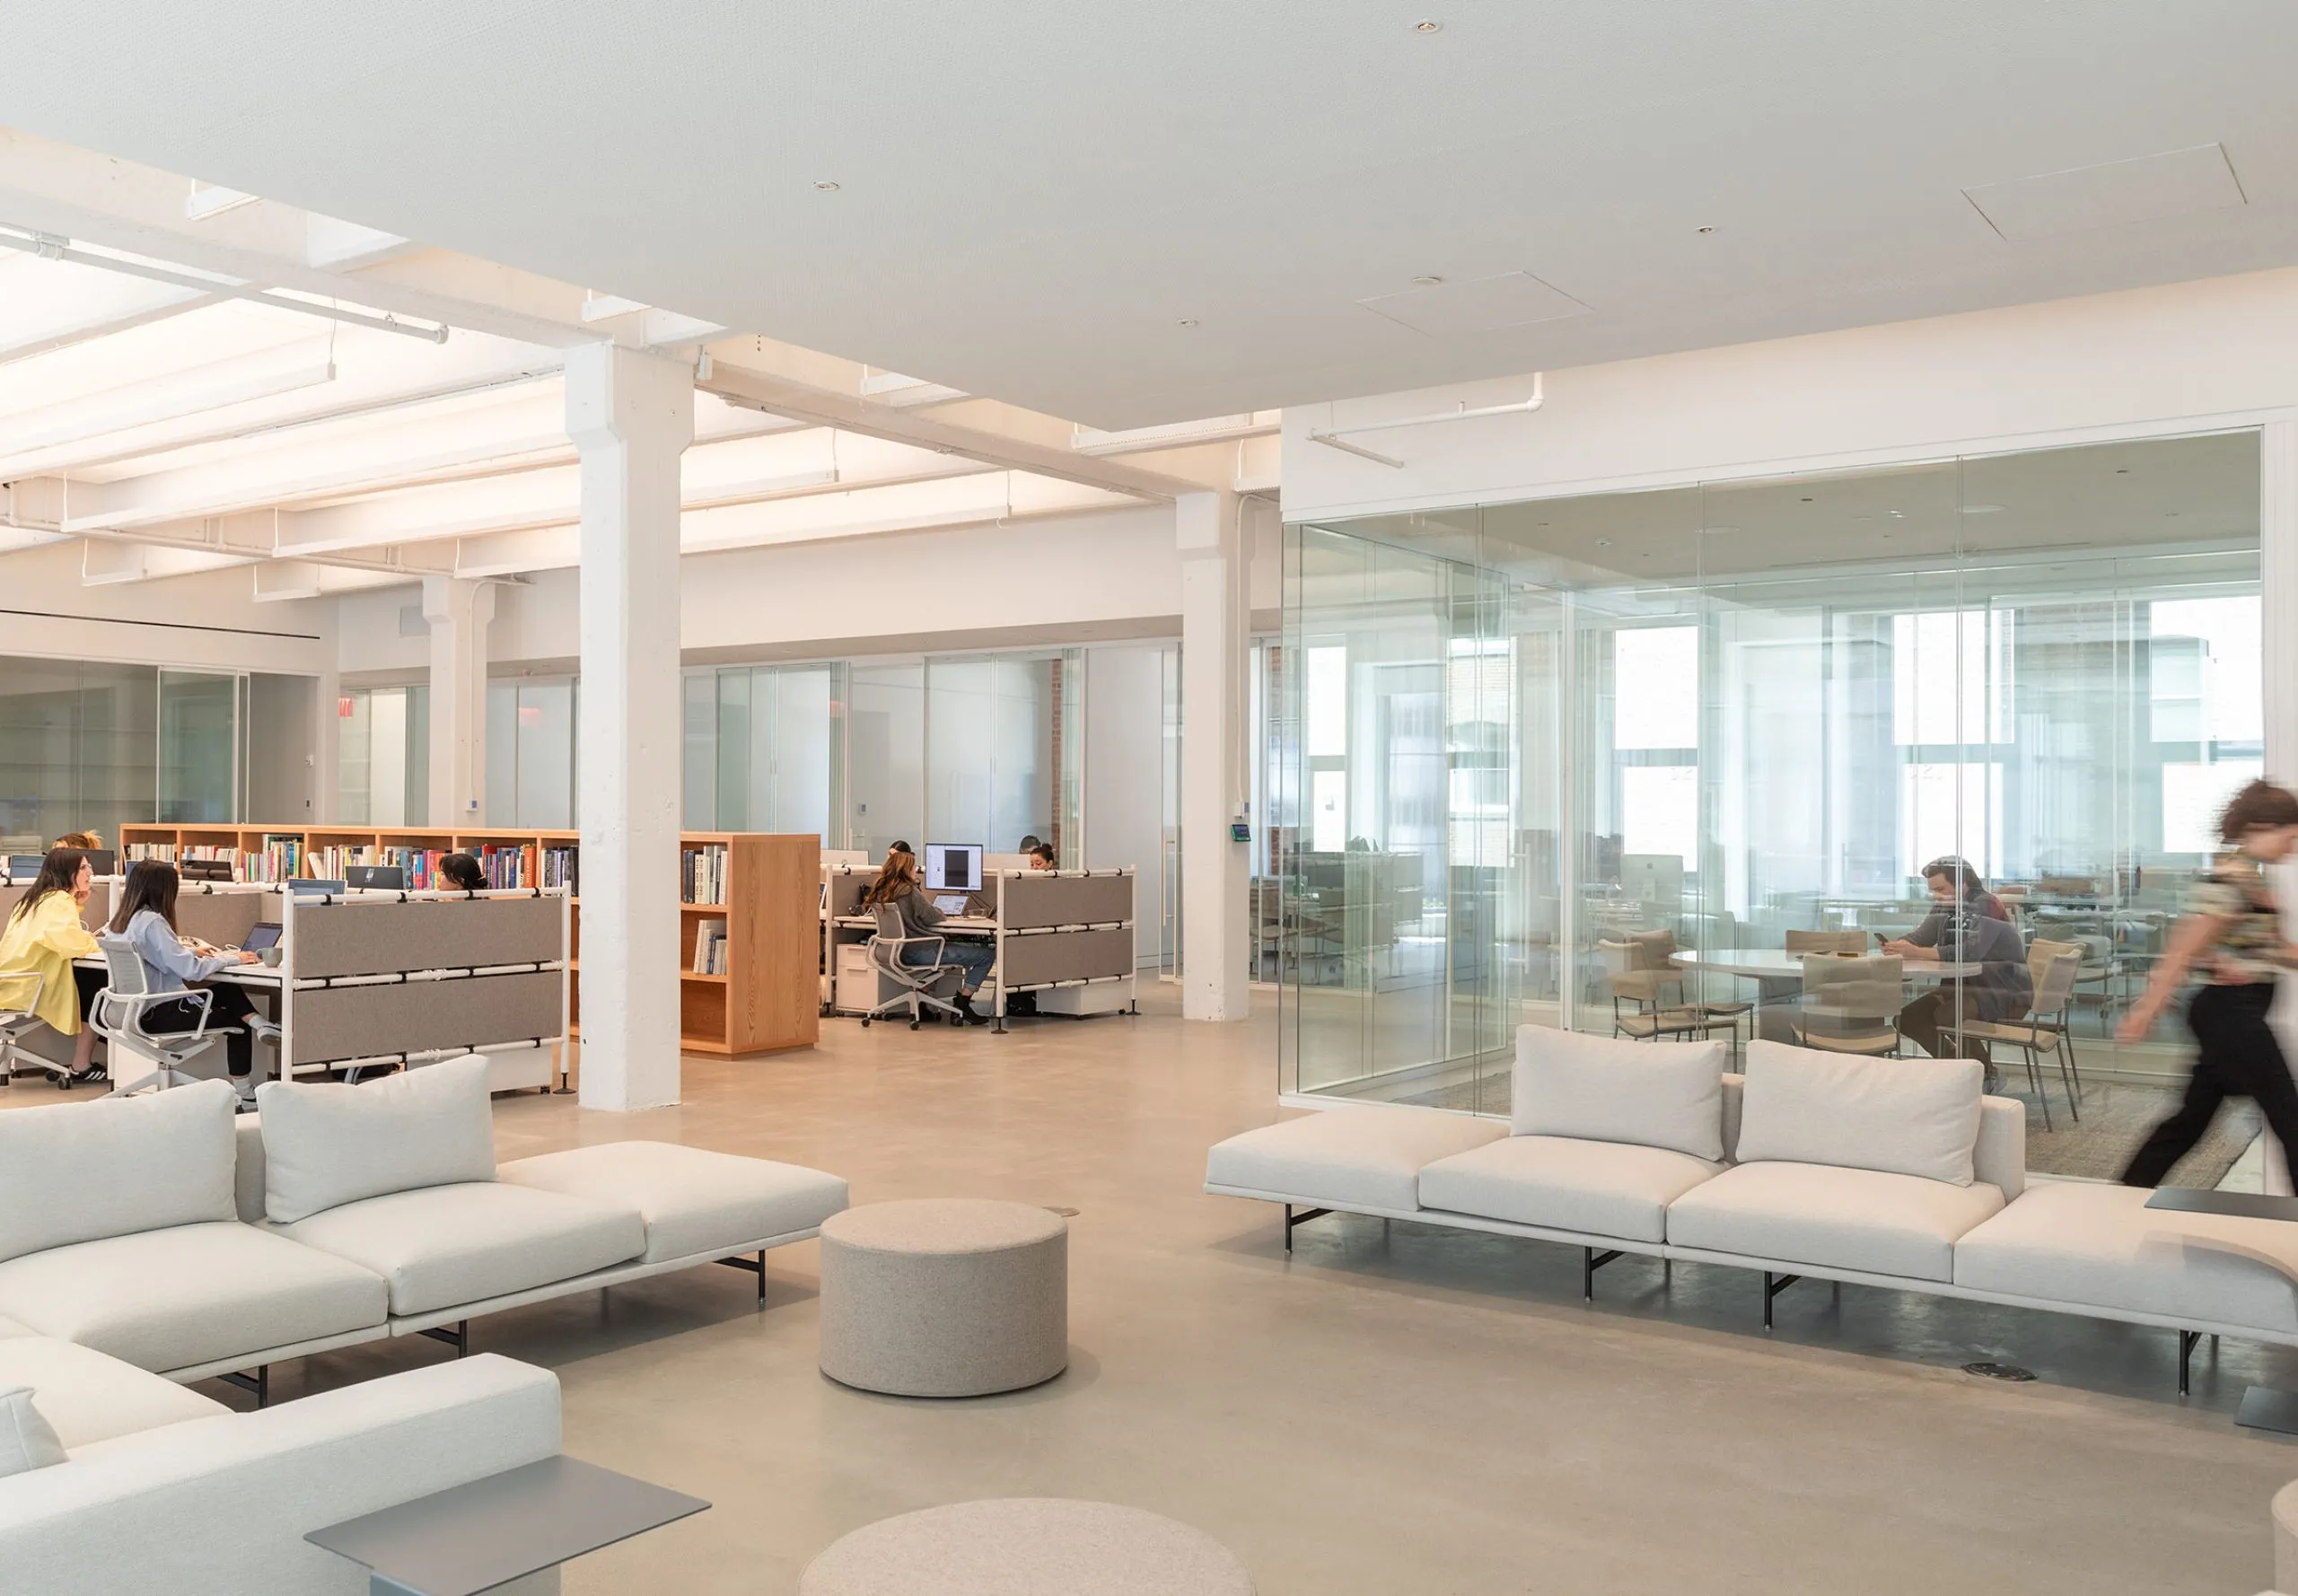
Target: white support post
[459,610]
[1215,869]
[327,750]
[631,417]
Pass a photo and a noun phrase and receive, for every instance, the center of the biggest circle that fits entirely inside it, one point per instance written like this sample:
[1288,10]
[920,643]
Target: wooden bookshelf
[766,1000]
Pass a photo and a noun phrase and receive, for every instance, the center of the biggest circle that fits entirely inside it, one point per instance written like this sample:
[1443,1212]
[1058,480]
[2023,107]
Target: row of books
[703,873]
[282,858]
[710,948]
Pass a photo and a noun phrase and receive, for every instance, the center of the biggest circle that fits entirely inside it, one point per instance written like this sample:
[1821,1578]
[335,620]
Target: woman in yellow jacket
[43,937]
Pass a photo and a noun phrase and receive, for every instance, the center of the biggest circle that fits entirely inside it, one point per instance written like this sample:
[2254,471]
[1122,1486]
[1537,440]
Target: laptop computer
[262,934]
[390,878]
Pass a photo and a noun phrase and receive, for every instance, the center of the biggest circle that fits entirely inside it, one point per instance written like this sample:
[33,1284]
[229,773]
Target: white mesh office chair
[176,1057]
[21,991]
[917,981]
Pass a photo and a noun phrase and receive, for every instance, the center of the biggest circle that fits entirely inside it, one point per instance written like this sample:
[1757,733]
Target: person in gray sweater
[147,918]
[897,887]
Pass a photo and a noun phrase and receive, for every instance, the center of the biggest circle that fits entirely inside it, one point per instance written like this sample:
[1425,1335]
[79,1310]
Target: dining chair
[1827,941]
[1651,1013]
[1851,1006]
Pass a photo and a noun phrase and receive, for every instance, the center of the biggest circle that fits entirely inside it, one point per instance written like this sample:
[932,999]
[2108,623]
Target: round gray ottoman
[1027,1545]
[945,1296]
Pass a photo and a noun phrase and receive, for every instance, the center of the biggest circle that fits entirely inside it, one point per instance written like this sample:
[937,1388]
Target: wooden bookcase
[767,999]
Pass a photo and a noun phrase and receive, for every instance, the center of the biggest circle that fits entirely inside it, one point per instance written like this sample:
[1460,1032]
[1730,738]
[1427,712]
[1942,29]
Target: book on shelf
[703,873]
[710,948]
[559,868]
[279,859]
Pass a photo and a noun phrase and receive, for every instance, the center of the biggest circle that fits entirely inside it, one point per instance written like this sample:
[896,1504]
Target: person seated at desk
[1966,925]
[897,885]
[43,937]
[84,841]
[1041,857]
[460,872]
[1027,845]
[147,919]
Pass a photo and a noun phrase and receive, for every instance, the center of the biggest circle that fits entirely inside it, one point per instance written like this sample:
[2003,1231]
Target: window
[1655,687]
[1326,711]
[1951,809]
[1951,677]
[2204,685]
[2193,794]
[1659,811]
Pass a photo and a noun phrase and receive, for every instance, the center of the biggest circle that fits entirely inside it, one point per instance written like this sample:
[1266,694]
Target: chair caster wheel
[913,1025]
[866,1025]
[64,1083]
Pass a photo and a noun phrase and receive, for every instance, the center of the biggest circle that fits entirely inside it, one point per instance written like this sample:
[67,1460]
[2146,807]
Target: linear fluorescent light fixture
[49,246]
[209,200]
[1336,437]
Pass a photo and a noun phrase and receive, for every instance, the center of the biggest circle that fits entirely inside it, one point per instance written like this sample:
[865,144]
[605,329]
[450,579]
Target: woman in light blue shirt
[147,919]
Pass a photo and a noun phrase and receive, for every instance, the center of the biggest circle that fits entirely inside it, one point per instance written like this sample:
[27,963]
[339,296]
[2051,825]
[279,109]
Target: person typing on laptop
[147,919]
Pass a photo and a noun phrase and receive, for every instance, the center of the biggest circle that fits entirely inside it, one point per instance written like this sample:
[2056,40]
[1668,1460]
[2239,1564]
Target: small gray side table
[474,1538]
[2263,1407]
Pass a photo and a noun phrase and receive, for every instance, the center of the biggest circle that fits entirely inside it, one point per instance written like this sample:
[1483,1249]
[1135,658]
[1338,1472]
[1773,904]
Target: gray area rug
[2117,1115]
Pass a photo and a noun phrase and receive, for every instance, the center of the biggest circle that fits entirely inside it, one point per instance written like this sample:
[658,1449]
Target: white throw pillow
[326,1145]
[1604,1089]
[27,1441]
[81,1172]
[1901,1115]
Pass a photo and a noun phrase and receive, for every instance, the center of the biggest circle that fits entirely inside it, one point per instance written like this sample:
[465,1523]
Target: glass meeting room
[1622,763]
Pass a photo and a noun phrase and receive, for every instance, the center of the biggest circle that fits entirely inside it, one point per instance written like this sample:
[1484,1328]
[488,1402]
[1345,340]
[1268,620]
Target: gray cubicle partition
[1067,936]
[92,914]
[380,978]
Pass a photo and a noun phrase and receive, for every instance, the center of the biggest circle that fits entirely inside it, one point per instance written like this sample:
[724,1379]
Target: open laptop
[390,878]
[262,934]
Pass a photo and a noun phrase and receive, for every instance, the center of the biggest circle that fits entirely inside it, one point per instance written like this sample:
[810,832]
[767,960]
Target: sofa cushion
[80,1171]
[1832,1218]
[89,1397]
[325,1145]
[1897,1115]
[1565,1183]
[2102,1247]
[1605,1089]
[695,1203]
[446,1246]
[1360,1156]
[27,1440]
[10,1329]
[191,1295]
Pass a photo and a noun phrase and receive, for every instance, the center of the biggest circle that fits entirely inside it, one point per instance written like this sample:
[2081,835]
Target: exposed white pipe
[49,247]
[1332,437]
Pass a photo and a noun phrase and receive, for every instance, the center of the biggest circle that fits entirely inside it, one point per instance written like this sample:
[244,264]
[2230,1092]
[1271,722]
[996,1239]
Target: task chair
[917,981]
[18,1020]
[118,1017]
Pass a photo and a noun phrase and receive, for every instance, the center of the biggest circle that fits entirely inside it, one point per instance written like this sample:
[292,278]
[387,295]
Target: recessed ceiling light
[1601,542]
[1807,498]
[1982,509]
[2122,470]
[827,187]
[1426,282]
[1707,230]
[1188,321]
[1425,26]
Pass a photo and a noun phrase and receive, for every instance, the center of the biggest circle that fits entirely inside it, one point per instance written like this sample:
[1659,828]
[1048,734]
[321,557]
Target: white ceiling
[1035,195]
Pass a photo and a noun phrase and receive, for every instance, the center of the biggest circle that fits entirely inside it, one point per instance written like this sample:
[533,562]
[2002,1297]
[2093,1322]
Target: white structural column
[1215,869]
[459,610]
[631,416]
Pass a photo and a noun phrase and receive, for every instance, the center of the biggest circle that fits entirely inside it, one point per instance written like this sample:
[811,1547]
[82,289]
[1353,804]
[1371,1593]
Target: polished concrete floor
[1394,1411]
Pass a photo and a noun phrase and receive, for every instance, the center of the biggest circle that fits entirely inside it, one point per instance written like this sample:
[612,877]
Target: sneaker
[1994,1086]
[95,1074]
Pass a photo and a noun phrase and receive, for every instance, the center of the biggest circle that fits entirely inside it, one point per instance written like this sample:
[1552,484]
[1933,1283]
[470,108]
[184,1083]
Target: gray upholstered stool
[1027,1545]
[945,1296]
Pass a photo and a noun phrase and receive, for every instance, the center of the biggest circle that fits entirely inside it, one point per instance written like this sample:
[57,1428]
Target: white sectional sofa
[1881,1172]
[163,1231]
[162,1489]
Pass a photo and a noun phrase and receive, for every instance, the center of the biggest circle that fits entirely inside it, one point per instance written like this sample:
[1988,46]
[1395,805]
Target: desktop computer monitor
[312,887]
[206,870]
[103,861]
[953,867]
[24,868]
[390,878]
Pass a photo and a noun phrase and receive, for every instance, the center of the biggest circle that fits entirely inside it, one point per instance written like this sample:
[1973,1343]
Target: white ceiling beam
[164,304]
[261,373]
[335,246]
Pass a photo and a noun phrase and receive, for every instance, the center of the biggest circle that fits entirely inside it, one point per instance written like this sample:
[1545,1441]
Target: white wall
[209,621]
[1124,773]
[1068,579]
[2181,358]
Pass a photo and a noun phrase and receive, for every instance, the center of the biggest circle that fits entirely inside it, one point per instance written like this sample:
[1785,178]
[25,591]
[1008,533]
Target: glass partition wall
[1528,732]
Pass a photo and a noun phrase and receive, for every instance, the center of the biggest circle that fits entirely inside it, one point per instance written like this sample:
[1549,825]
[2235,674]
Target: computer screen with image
[953,867]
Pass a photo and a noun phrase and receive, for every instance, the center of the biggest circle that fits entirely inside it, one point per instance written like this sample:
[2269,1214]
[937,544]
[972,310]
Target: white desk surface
[981,924]
[1776,964]
[238,975]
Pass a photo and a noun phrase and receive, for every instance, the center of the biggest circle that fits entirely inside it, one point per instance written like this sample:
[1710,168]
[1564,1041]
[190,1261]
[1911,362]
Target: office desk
[1779,974]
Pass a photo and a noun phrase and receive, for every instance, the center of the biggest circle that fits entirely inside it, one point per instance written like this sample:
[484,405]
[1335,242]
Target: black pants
[229,1006]
[90,982]
[2239,1058]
